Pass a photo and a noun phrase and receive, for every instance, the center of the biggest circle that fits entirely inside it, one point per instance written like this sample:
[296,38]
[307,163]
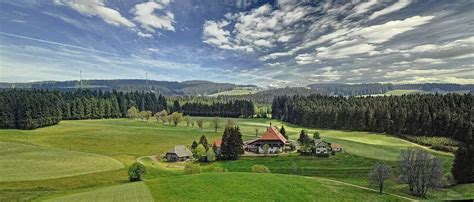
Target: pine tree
[283,131]
[176,107]
[203,141]
[232,144]
[304,138]
[463,166]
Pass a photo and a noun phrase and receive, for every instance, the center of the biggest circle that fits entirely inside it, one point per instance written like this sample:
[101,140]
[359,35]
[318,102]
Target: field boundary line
[361,187]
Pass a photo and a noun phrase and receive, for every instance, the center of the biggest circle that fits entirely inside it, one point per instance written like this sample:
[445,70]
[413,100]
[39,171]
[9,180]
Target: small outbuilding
[179,153]
[336,147]
[322,148]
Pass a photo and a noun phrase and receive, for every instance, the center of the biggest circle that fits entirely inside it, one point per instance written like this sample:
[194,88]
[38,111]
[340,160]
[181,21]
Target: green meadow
[22,162]
[83,160]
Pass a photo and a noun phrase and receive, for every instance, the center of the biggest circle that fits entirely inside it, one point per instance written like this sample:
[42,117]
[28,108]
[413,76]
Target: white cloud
[412,72]
[214,34]
[390,9]
[466,42]
[145,14]
[429,61]
[306,58]
[144,35]
[259,29]
[97,8]
[364,7]
[365,40]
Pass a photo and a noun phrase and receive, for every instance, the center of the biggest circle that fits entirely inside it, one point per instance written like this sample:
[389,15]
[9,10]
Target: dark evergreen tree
[203,141]
[194,145]
[232,144]
[304,138]
[176,107]
[463,166]
[283,131]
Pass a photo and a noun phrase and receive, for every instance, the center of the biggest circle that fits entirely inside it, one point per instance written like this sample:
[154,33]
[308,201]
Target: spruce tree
[463,166]
[203,141]
[232,144]
[283,131]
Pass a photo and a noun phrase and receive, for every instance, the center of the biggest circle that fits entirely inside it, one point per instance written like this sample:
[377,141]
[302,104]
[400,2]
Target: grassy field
[22,162]
[256,186]
[129,192]
[404,92]
[235,92]
[125,140]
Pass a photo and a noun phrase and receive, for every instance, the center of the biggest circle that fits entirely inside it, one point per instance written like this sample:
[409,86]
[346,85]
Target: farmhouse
[322,148]
[179,153]
[272,137]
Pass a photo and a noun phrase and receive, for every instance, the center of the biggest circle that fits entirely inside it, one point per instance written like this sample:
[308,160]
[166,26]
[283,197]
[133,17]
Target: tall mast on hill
[80,77]
[146,81]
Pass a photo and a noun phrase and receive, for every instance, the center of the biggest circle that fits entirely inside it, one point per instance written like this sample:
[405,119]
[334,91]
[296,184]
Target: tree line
[236,108]
[449,115]
[29,109]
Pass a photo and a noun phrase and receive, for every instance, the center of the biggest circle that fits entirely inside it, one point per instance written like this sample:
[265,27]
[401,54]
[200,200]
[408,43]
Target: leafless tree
[420,170]
[215,124]
[380,172]
[200,123]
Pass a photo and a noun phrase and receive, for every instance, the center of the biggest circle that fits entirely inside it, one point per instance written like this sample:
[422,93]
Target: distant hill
[380,89]
[195,87]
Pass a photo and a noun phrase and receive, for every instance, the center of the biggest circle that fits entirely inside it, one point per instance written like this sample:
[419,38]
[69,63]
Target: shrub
[219,170]
[135,172]
[260,169]
[192,169]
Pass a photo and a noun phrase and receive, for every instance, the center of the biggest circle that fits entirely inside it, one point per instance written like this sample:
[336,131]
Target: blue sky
[267,43]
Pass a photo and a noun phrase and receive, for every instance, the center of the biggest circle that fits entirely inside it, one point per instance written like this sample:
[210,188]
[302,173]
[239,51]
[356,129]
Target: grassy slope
[404,92]
[22,162]
[31,190]
[129,192]
[113,137]
[234,92]
[251,187]
[127,139]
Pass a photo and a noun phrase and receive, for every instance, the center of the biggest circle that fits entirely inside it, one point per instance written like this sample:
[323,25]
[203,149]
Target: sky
[266,43]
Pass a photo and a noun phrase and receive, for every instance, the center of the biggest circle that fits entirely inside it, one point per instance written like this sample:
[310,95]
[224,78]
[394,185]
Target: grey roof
[322,144]
[316,141]
[180,151]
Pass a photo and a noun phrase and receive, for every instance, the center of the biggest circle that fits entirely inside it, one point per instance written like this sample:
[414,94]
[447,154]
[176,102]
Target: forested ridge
[449,115]
[29,109]
[37,108]
[194,87]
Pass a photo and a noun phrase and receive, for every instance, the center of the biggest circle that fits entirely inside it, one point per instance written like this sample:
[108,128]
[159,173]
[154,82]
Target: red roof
[335,146]
[217,143]
[273,134]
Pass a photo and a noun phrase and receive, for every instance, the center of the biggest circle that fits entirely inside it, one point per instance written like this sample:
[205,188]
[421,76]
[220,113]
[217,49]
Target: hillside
[126,140]
[195,87]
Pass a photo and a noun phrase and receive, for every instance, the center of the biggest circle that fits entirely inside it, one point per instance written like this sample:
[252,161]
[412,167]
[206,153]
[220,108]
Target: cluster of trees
[203,151]
[419,169]
[266,96]
[29,109]
[237,108]
[232,146]
[447,115]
